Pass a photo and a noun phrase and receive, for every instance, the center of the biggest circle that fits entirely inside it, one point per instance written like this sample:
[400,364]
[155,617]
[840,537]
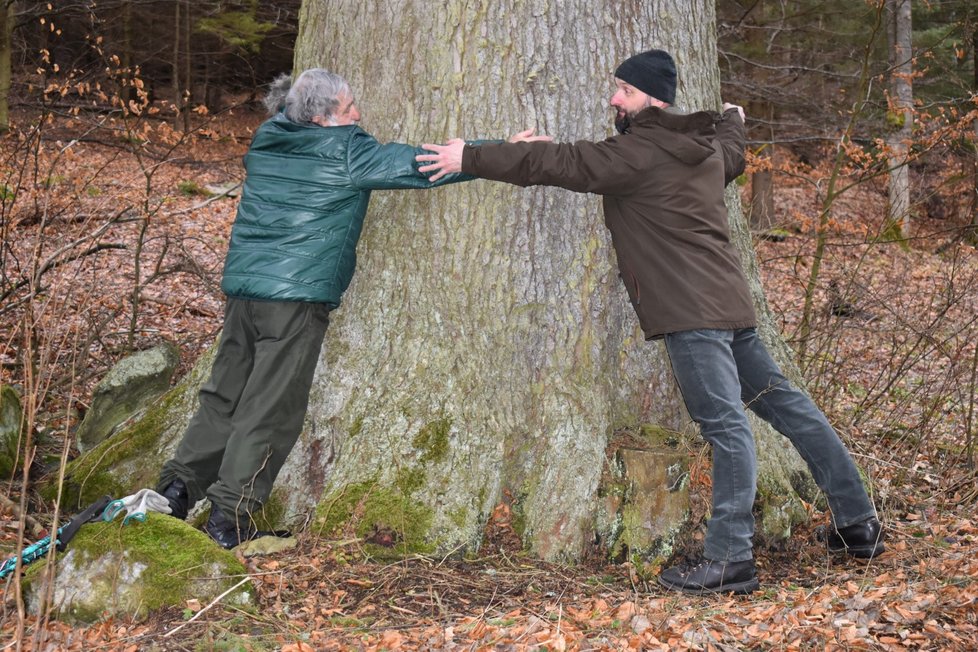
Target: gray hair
[315,92]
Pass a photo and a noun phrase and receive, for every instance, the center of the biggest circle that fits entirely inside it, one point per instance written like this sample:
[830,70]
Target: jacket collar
[675,119]
[685,136]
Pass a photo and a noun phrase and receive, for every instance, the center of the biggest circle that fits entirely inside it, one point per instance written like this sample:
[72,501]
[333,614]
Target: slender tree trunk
[175,64]
[188,80]
[762,218]
[901,112]
[973,232]
[6,45]
[128,92]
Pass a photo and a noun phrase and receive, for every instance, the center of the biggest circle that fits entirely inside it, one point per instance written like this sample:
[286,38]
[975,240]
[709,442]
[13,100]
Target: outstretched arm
[447,158]
[390,166]
[732,141]
[605,168]
[526,136]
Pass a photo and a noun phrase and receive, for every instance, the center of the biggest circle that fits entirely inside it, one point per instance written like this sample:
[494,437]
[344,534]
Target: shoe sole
[739,588]
[863,552]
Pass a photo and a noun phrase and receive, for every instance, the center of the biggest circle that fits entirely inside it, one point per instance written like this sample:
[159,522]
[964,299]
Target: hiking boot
[863,539]
[710,576]
[226,531]
[178,498]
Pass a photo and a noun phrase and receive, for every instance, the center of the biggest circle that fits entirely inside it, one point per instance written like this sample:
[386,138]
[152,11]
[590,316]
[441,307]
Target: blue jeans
[721,371]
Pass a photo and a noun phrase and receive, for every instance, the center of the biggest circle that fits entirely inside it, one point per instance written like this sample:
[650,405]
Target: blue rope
[31,553]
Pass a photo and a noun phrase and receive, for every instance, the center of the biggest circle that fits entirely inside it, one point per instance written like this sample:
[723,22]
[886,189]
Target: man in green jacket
[662,180]
[310,171]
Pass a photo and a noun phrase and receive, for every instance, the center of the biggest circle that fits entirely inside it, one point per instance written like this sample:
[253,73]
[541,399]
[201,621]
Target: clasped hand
[447,158]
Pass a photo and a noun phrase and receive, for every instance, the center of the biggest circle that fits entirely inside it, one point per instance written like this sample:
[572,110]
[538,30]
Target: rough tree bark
[486,350]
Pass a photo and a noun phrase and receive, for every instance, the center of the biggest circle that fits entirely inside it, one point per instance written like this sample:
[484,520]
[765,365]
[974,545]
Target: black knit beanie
[652,72]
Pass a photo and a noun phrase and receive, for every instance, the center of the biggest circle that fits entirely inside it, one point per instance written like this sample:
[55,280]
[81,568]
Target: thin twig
[213,602]
[207,201]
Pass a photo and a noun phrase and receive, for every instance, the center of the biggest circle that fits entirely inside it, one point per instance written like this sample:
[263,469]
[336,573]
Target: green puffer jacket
[302,208]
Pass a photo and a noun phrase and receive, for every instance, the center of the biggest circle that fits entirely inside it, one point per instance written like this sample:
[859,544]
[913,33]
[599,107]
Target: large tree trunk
[486,345]
[486,351]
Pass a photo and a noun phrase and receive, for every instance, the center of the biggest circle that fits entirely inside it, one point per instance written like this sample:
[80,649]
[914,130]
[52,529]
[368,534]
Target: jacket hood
[686,136]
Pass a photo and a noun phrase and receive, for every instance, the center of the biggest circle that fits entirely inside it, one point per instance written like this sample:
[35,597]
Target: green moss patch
[432,440]
[387,522]
[272,514]
[384,514]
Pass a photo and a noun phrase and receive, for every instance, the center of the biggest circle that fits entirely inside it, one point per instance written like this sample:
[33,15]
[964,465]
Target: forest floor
[892,333]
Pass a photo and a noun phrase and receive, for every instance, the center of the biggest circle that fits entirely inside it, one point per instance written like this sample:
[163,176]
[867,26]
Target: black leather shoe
[863,539]
[176,495]
[711,577]
[226,531]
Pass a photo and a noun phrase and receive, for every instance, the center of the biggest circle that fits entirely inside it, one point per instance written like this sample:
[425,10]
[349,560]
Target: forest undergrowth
[114,233]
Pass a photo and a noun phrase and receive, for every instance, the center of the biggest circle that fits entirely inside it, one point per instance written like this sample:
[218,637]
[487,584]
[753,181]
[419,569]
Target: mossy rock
[130,386]
[11,423]
[132,457]
[128,571]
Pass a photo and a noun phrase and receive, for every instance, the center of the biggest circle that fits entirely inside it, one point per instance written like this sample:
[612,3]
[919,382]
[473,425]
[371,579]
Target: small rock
[266,546]
[640,623]
[231,188]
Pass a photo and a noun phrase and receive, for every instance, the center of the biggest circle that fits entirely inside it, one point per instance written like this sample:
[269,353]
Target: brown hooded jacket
[662,182]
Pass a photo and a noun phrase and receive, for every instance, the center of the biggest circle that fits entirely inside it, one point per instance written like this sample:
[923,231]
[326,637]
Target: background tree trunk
[175,64]
[185,98]
[6,46]
[901,113]
[762,217]
[486,345]
[972,235]
[128,93]
[761,214]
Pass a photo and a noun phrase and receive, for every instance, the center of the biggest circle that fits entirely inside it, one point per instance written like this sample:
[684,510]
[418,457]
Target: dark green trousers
[252,407]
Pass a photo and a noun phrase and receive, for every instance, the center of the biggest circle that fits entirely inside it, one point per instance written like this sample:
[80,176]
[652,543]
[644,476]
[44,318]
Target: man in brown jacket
[662,179]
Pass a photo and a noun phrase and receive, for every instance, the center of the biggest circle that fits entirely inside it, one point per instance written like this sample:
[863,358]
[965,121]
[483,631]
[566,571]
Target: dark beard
[622,122]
